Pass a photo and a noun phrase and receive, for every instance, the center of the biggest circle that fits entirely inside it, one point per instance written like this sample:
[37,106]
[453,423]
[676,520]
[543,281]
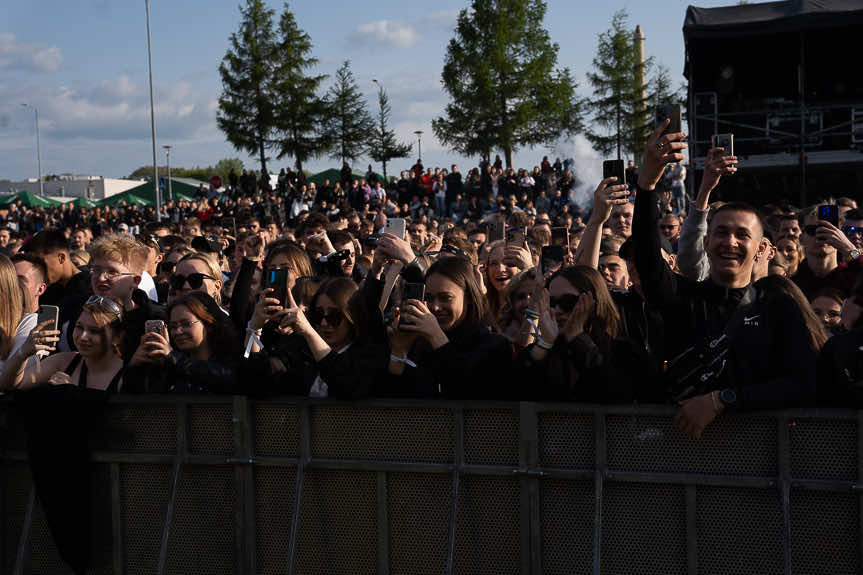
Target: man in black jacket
[701,311]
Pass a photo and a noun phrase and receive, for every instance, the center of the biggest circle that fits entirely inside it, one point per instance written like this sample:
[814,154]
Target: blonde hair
[213,268]
[12,310]
[128,251]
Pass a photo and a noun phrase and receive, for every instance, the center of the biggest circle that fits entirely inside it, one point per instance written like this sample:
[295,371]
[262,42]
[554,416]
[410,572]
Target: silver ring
[659,146]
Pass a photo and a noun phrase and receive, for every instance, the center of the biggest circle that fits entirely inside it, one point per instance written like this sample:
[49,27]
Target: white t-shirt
[22,332]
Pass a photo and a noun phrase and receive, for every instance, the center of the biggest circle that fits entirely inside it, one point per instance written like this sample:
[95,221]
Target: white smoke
[586,166]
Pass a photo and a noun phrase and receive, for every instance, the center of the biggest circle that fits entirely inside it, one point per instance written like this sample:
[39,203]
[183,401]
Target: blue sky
[84,65]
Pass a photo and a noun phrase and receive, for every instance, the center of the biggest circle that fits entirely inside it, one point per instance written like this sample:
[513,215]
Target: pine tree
[246,109]
[382,144]
[348,123]
[300,112]
[505,89]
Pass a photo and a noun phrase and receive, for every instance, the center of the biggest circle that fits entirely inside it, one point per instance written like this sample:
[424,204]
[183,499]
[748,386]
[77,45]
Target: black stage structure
[784,78]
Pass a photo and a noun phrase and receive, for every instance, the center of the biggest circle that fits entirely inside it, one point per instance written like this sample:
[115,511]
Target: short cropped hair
[124,249]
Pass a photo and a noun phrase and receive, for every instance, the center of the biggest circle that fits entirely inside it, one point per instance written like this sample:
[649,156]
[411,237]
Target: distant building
[92,187]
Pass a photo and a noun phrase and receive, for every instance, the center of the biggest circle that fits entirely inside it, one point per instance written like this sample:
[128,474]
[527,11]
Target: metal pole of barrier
[458,420]
[858,483]
[244,478]
[117,518]
[176,469]
[692,529]
[784,490]
[531,527]
[599,478]
[304,457]
[24,541]
[383,534]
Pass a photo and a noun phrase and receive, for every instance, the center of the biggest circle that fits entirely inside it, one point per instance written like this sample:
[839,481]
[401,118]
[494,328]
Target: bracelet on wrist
[542,344]
[400,359]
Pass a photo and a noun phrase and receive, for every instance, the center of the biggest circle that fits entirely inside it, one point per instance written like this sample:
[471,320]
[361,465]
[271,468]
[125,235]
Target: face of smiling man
[732,242]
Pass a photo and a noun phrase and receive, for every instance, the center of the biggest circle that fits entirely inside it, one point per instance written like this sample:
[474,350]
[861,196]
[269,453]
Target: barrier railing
[227,485]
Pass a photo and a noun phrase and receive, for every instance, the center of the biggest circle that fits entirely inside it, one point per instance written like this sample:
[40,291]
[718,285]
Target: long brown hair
[772,284]
[13,305]
[461,272]
[221,338]
[340,290]
[604,324]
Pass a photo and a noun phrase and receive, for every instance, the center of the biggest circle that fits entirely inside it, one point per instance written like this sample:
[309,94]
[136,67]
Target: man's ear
[762,248]
[42,287]
[61,257]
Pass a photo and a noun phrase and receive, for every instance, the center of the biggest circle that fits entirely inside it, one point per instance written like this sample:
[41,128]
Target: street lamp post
[153,120]
[168,154]
[419,134]
[38,149]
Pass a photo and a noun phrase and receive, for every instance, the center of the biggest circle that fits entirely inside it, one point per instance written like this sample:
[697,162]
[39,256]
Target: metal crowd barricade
[228,485]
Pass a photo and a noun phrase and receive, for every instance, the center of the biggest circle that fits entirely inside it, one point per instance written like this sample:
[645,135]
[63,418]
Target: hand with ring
[662,149]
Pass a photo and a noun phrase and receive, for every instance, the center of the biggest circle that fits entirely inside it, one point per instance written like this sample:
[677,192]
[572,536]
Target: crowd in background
[492,286]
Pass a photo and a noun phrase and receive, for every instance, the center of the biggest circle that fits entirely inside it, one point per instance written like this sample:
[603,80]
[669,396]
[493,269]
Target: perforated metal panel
[143,503]
[567,509]
[343,432]
[43,556]
[643,529]
[141,428]
[275,489]
[566,441]
[203,536]
[825,525]
[491,436]
[739,531]
[338,527]
[15,485]
[731,445]
[211,429]
[487,533]
[277,430]
[823,449]
[419,510]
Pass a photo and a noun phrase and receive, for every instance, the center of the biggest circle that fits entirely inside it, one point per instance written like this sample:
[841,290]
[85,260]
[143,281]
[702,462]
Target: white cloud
[17,55]
[384,33]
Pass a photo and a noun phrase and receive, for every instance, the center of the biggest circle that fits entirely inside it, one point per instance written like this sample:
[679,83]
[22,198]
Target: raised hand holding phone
[662,149]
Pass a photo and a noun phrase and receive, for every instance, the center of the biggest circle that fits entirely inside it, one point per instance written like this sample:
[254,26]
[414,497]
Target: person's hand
[548,330]
[434,244]
[717,165]
[400,340]
[253,248]
[584,308]
[294,317]
[831,235]
[267,308]
[395,248]
[479,273]
[517,256]
[661,150]
[695,414]
[60,378]
[158,346]
[320,242]
[41,339]
[422,322]
[607,195]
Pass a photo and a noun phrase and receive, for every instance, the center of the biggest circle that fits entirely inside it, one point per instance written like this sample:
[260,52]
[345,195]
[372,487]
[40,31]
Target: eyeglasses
[195,280]
[105,303]
[185,325]
[565,302]
[334,318]
[848,230]
[109,274]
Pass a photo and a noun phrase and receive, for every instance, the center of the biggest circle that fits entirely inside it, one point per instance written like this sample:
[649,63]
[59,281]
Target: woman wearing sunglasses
[97,365]
[578,353]
[196,352]
[197,272]
[441,347]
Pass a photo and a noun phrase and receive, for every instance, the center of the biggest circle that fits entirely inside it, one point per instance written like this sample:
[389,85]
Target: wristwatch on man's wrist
[728,397]
[853,255]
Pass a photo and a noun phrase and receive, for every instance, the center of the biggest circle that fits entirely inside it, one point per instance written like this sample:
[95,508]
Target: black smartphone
[560,237]
[672,111]
[724,141]
[829,214]
[614,169]
[497,232]
[230,224]
[49,313]
[415,291]
[277,280]
[515,236]
[552,258]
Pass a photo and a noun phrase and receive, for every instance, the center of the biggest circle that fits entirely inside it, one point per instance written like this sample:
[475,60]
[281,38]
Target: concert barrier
[229,485]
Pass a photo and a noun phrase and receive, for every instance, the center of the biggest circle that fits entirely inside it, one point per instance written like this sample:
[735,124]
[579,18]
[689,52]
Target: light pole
[168,154]
[38,148]
[153,120]
[419,134]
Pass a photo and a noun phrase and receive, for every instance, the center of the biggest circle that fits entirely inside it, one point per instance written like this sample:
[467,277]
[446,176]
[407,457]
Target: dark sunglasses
[334,318]
[565,302]
[195,280]
[106,304]
[852,230]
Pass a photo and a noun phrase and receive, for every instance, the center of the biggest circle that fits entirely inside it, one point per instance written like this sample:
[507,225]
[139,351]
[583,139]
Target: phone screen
[552,258]
[615,169]
[48,313]
[672,111]
[496,232]
[277,280]
[829,214]
[560,237]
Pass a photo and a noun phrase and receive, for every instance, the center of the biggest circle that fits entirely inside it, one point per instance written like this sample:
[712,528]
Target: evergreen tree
[382,144]
[500,72]
[299,112]
[618,106]
[348,122]
[246,108]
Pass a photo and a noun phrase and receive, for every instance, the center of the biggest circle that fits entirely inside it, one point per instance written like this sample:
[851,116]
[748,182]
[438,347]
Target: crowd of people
[495,286]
